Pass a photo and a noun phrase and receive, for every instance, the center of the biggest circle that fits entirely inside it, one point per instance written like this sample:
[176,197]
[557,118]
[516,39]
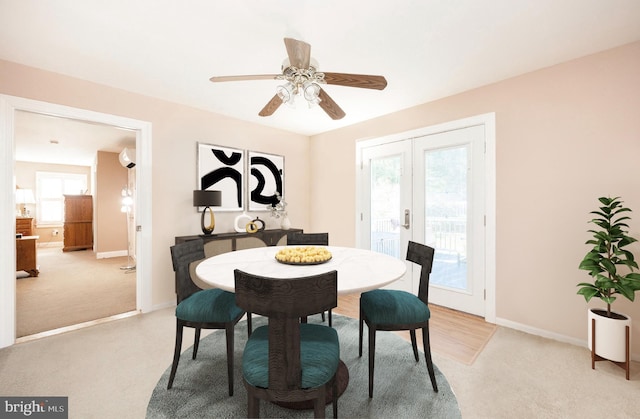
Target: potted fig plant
[611,266]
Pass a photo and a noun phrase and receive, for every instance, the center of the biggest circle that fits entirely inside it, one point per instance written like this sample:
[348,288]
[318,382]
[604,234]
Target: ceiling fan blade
[329,106]
[356,80]
[271,107]
[299,53]
[216,79]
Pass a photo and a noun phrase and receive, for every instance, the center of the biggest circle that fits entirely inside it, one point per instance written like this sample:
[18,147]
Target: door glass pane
[385,205]
[446,215]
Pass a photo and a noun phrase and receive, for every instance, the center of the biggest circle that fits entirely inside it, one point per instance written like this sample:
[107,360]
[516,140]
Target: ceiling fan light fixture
[286,92]
[301,77]
[314,102]
[311,91]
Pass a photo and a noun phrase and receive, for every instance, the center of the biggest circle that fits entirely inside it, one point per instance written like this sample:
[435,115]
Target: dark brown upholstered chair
[400,310]
[201,308]
[310,239]
[289,361]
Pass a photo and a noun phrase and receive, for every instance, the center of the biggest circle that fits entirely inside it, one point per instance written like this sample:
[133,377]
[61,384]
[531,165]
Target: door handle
[407,219]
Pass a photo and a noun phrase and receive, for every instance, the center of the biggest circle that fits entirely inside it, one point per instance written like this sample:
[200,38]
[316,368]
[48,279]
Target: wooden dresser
[24,226]
[78,222]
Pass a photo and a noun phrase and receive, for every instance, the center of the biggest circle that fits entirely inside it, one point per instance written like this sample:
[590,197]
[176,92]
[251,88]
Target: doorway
[435,186]
[73,168]
[8,106]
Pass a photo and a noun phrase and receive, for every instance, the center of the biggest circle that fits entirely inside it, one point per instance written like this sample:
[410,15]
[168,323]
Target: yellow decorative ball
[303,254]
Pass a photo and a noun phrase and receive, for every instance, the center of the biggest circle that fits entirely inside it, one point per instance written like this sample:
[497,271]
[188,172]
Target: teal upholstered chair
[400,310]
[289,361]
[201,308]
[310,239]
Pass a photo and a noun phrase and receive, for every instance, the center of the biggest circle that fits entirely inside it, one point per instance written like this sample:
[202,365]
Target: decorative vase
[285,224]
[240,223]
[610,336]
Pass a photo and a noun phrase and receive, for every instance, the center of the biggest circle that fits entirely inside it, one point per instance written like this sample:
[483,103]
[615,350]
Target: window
[50,190]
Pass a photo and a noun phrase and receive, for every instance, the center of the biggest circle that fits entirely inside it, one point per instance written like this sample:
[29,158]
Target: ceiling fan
[301,76]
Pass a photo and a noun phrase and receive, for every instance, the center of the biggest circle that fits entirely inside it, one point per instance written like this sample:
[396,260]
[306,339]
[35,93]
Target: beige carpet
[72,288]
[110,371]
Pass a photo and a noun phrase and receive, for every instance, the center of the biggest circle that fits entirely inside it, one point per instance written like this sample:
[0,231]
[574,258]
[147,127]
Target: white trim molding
[551,335]
[488,120]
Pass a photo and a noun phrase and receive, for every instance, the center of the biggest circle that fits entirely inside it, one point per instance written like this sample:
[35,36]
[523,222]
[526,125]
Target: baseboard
[164,305]
[114,254]
[78,326]
[43,244]
[549,335]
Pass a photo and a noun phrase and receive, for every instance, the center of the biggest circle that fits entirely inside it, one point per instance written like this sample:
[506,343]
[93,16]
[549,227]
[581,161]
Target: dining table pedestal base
[343,381]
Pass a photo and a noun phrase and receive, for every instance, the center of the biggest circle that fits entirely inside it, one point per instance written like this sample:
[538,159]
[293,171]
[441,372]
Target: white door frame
[489,122]
[8,106]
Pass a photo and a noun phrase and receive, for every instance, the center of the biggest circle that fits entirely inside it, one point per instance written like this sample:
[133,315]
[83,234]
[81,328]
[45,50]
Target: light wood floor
[453,334]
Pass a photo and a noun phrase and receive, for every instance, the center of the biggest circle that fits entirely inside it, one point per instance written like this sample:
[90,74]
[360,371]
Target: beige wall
[110,223]
[111,177]
[565,135]
[176,129]
[25,173]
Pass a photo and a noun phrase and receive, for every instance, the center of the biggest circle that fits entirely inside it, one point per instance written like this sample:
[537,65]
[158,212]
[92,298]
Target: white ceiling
[48,139]
[426,49]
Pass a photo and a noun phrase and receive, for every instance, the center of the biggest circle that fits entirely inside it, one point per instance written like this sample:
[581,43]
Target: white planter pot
[610,336]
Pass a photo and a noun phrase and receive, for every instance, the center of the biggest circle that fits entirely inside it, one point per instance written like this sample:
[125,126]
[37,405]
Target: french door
[430,189]
[387,197]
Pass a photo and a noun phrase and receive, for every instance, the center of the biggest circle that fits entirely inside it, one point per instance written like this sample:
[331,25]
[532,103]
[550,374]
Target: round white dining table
[359,270]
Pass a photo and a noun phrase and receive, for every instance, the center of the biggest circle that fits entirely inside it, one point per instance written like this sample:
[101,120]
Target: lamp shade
[207,198]
[25,196]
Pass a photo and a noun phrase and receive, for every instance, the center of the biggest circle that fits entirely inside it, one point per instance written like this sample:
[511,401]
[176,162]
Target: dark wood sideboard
[232,240]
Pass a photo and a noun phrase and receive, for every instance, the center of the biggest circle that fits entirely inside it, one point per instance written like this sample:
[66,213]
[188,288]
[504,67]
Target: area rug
[401,388]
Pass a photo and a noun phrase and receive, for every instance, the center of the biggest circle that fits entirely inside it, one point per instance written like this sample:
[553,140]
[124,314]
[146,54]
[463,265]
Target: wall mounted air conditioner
[128,157]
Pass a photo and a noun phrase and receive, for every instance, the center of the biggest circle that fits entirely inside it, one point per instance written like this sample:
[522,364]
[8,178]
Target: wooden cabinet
[26,255]
[78,222]
[24,226]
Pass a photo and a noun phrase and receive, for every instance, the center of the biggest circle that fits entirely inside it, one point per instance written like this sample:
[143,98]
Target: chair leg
[229,332]
[319,403]
[414,344]
[249,326]
[335,396]
[322,314]
[372,355]
[427,354]
[253,405]
[196,343]
[361,321]
[176,354]
[330,319]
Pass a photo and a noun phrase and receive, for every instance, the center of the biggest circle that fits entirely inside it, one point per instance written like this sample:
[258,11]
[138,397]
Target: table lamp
[24,196]
[207,199]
